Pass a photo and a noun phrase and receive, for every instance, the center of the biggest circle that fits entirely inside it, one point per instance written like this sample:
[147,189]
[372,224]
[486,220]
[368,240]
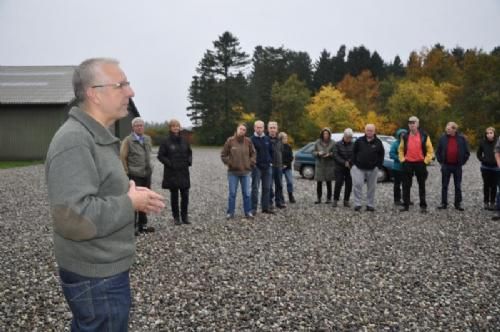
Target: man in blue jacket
[261,173]
[452,153]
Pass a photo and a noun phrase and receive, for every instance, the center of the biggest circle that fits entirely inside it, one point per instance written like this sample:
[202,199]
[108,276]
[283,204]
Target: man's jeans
[245,191]
[277,181]
[446,172]
[288,173]
[97,304]
[261,175]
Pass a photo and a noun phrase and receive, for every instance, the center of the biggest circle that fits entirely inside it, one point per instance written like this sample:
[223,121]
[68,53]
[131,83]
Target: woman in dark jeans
[176,156]
[486,154]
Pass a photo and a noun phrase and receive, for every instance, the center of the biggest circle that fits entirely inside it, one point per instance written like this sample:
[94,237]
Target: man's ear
[92,95]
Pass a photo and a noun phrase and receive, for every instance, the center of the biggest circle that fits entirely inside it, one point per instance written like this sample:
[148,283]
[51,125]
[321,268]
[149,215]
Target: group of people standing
[261,161]
[95,184]
[258,163]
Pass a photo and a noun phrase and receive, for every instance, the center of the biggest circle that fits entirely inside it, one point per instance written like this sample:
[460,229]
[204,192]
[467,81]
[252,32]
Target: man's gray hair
[137,120]
[85,74]
[348,132]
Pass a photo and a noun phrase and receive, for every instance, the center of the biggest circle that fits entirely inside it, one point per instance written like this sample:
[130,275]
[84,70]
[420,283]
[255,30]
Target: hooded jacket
[325,163]
[393,153]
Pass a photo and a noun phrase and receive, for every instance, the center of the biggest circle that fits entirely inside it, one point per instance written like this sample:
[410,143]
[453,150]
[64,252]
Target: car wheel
[382,175]
[308,172]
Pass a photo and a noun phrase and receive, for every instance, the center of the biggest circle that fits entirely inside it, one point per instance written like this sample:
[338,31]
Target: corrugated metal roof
[36,84]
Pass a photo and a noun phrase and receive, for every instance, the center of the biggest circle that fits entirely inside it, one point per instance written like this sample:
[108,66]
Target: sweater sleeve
[79,206]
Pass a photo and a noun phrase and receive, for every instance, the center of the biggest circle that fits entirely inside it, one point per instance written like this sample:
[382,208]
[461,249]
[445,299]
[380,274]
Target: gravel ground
[308,267]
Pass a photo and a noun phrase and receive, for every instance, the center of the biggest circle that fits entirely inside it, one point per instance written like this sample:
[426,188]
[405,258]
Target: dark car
[304,159]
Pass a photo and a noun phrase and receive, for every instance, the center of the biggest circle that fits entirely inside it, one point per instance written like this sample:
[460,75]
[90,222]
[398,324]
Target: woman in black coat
[486,154]
[176,156]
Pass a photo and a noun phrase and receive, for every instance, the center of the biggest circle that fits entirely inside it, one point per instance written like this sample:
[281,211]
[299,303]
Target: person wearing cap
[135,154]
[367,156]
[397,172]
[452,153]
[343,164]
[415,153]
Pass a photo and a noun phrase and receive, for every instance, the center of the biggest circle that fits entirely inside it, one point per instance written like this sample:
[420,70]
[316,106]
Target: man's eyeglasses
[119,85]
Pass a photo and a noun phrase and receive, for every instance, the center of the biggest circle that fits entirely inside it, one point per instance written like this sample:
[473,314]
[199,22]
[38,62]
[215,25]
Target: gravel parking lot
[308,267]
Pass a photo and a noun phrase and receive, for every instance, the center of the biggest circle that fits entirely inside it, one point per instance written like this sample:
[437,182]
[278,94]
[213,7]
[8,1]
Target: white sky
[159,43]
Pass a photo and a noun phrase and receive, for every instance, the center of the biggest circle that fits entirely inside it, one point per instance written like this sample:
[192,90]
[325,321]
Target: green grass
[19,163]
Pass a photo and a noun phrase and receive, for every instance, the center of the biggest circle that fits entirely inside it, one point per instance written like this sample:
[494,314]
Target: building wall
[28,129]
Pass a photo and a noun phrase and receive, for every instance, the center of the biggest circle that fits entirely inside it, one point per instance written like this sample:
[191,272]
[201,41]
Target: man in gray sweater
[92,202]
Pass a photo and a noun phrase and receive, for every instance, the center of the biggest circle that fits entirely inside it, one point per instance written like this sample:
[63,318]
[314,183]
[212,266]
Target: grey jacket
[136,156]
[277,156]
[92,215]
[325,166]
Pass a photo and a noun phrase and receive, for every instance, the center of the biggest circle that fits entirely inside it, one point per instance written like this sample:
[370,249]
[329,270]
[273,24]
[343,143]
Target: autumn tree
[363,90]
[331,108]
[422,98]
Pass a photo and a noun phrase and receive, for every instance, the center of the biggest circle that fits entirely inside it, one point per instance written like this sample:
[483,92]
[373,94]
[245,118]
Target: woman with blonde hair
[176,156]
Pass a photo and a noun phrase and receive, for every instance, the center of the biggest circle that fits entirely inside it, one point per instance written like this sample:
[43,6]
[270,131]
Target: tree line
[345,89]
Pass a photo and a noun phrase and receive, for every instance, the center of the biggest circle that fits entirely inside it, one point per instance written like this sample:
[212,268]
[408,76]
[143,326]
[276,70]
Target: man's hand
[144,199]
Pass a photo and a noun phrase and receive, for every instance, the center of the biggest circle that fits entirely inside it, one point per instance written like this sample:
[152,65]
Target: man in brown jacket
[239,156]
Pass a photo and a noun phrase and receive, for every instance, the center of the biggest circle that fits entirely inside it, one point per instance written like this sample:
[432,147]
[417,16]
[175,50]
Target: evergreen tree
[323,73]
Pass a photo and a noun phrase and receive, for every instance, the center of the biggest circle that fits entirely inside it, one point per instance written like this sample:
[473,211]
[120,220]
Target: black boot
[291,199]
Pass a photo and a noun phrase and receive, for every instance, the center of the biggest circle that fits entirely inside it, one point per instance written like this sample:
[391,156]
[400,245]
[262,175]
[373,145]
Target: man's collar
[257,135]
[101,135]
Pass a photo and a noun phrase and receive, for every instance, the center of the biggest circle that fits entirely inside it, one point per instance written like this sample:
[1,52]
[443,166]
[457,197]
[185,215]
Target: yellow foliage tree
[381,122]
[424,99]
[330,108]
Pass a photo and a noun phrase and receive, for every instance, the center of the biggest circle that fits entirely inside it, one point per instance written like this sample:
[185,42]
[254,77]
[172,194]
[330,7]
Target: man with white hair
[368,157]
[415,153]
[92,201]
[343,164]
[135,153]
[452,153]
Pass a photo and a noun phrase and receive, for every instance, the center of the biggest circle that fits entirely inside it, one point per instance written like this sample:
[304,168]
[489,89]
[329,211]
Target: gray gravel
[307,268]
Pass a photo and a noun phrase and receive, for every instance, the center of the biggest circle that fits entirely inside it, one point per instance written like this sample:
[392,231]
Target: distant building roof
[36,84]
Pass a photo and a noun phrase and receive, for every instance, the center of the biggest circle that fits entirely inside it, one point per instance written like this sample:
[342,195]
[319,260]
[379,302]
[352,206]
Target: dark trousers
[174,203]
[398,184]
[489,185]
[141,219]
[261,175]
[419,169]
[342,175]
[447,170]
[277,181]
[319,189]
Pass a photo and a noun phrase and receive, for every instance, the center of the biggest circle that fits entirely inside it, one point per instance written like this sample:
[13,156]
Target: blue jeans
[277,180]
[245,191]
[288,173]
[446,172]
[261,175]
[97,304]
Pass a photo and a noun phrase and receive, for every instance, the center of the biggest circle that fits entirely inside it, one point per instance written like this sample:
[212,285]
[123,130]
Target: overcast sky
[159,43]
